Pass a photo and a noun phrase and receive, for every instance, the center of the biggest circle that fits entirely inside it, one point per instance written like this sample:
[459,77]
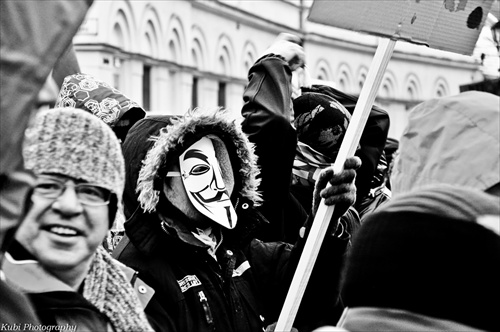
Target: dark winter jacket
[55,302]
[267,110]
[372,141]
[244,289]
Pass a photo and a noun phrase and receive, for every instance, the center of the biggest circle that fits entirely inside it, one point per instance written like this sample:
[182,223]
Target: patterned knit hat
[75,143]
[107,103]
[430,252]
[321,122]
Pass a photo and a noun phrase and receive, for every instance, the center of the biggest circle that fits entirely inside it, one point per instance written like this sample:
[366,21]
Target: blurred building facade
[178,54]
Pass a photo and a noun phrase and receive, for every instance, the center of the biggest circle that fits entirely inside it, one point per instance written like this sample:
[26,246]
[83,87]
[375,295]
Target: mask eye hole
[199,170]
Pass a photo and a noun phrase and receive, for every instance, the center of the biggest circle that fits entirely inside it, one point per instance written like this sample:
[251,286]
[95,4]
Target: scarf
[108,289]
[208,237]
[307,165]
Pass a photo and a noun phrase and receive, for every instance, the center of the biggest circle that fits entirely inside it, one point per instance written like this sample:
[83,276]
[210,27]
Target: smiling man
[57,258]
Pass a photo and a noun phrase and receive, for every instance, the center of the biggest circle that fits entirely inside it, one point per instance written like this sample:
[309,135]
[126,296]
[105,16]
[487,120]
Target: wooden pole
[324,213]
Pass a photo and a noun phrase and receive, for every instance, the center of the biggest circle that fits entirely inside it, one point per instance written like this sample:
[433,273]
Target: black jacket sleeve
[266,111]
[274,265]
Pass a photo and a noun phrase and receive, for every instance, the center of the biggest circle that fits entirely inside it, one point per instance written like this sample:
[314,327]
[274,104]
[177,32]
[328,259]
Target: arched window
[249,57]
[344,82]
[148,45]
[387,89]
[441,88]
[150,41]
[198,48]
[344,78]
[361,81]
[120,33]
[174,46]
[412,91]
[118,37]
[322,75]
[224,56]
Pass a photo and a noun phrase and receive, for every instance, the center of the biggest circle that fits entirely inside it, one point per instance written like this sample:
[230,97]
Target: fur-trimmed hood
[157,140]
[184,131]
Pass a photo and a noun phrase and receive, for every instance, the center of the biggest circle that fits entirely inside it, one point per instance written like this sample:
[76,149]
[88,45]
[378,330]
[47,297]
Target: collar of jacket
[26,273]
[145,230]
[385,319]
[21,269]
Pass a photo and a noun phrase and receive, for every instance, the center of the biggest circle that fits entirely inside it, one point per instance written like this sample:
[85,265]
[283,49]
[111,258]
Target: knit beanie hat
[321,122]
[428,252]
[99,98]
[75,143]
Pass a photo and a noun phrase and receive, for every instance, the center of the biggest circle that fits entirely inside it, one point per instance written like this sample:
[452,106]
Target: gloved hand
[288,46]
[342,192]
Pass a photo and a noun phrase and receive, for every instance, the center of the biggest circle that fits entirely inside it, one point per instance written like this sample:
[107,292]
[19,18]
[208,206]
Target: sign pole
[324,213]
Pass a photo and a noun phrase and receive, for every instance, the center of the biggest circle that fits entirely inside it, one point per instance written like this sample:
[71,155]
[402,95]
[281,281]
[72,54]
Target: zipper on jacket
[206,308]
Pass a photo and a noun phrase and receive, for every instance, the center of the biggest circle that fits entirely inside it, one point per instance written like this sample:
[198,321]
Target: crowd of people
[136,222]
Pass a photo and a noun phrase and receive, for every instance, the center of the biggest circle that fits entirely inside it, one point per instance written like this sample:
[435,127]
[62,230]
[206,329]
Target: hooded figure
[320,128]
[193,241]
[454,140]
[426,261]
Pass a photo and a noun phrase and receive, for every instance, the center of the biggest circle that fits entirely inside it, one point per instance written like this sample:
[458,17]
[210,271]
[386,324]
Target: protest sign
[449,25]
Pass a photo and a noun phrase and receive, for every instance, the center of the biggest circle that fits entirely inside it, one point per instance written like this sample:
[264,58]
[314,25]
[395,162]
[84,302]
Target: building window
[194,93]
[222,94]
[410,93]
[116,81]
[146,88]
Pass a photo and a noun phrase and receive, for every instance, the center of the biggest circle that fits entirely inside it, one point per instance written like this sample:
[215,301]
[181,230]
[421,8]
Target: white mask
[202,178]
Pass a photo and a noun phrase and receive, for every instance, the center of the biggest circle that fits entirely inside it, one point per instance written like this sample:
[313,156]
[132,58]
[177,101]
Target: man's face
[62,232]
[206,186]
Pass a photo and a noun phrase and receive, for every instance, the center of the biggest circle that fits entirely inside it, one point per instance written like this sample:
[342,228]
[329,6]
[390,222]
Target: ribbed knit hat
[321,122]
[75,143]
[428,252]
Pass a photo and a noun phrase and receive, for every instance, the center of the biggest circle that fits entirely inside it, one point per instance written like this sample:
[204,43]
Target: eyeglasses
[87,194]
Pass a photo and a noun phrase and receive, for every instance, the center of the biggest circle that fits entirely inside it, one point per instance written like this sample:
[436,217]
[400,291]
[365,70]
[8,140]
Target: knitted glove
[342,192]
[288,46]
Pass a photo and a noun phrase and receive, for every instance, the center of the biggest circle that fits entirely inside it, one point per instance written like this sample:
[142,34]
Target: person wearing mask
[190,201]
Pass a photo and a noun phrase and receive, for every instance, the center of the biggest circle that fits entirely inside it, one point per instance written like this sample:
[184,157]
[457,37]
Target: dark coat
[55,302]
[372,141]
[267,110]
[243,290]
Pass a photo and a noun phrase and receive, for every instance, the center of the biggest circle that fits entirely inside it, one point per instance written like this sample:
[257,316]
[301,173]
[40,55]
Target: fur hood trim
[174,139]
